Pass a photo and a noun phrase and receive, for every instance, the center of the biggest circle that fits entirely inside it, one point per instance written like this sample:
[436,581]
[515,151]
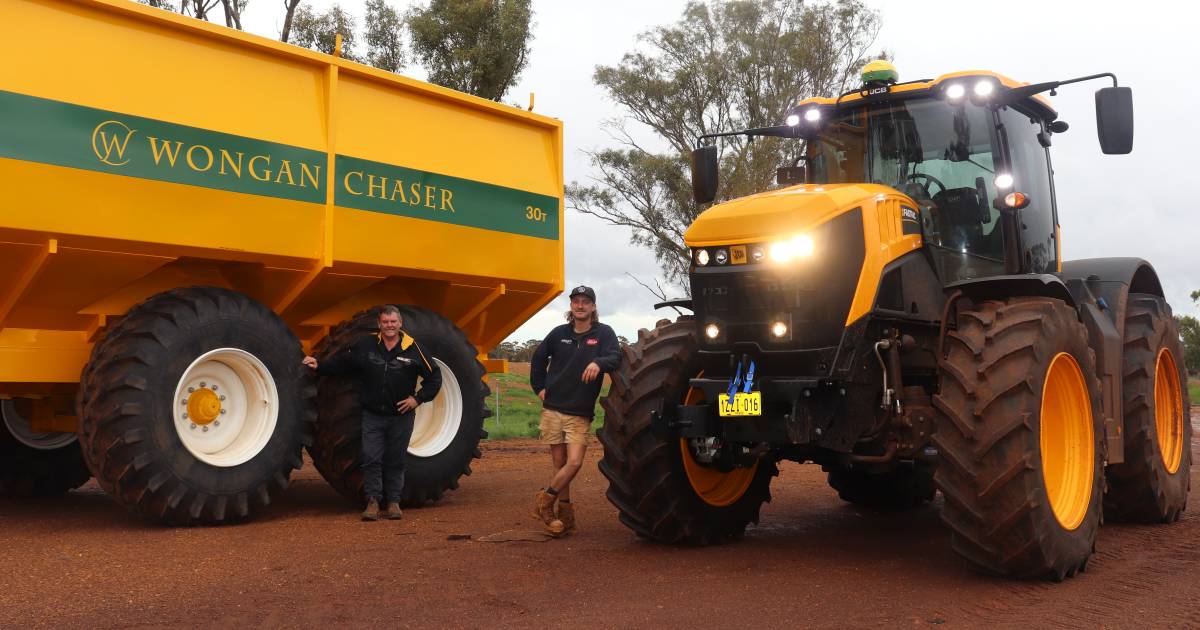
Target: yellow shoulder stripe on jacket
[406,341]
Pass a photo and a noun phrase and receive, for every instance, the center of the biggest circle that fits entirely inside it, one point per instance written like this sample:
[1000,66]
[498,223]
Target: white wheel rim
[438,420]
[248,407]
[20,429]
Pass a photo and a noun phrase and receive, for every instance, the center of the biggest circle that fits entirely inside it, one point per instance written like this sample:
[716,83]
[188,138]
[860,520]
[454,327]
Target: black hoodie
[568,354]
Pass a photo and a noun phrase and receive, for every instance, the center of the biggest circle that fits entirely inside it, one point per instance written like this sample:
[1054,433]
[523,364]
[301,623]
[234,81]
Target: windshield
[937,153]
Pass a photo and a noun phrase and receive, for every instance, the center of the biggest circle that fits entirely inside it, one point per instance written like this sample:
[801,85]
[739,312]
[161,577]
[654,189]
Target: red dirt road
[813,562]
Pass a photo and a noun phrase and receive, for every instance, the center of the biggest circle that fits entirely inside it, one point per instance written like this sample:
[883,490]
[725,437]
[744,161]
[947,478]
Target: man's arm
[344,362]
[608,356]
[431,378]
[537,365]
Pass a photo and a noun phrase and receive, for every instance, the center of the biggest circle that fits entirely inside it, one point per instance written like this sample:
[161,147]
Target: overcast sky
[1134,205]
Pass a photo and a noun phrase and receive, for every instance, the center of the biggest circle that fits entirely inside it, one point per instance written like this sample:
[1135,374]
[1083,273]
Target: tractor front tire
[446,432]
[648,476]
[1152,484]
[196,407]
[1020,438]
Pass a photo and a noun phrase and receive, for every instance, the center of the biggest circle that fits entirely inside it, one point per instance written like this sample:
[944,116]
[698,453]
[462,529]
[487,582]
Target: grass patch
[520,411]
[1194,390]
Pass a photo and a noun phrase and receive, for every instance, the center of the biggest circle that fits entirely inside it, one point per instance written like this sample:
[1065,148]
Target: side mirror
[1114,119]
[790,175]
[704,174]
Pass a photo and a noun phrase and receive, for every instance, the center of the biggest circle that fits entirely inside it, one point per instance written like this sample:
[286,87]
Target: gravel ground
[81,561]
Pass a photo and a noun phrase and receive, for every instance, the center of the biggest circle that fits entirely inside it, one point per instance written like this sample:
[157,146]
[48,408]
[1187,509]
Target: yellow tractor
[898,312]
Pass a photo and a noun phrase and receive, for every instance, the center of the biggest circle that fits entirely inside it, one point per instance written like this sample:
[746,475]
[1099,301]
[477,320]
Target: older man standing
[387,366]
[566,373]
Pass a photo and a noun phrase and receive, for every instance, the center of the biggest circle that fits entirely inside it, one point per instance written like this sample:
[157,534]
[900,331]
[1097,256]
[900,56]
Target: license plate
[743,404]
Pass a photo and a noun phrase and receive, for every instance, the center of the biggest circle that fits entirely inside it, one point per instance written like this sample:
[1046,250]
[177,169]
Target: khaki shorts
[561,428]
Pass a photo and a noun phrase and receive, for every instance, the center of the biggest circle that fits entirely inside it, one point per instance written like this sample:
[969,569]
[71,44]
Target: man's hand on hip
[407,405]
[542,395]
[591,372]
[310,362]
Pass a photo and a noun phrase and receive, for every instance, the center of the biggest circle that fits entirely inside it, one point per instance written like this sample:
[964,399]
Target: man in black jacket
[387,366]
[578,353]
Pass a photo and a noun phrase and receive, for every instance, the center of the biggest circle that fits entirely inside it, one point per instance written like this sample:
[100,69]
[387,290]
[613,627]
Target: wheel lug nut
[220,398]
[191,390]
[216,423]
[214,387]
[183,402]
[222,412]
[203,384]
[185,416]
[193,426]
[204,428]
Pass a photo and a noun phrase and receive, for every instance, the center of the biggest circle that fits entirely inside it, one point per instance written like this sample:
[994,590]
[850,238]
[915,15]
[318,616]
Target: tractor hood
[784,212]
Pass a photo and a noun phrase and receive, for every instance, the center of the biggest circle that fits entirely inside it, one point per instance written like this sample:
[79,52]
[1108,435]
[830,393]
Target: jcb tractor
[899,313]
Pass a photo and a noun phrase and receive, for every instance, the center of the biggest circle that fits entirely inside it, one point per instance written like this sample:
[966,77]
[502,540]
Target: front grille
[811,295]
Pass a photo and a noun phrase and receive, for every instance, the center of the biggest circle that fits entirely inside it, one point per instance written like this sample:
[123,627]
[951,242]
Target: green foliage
[725,65]
[1194,391]
[1189,332]
[385,49]
[319,31]
[520,409]
[475,46]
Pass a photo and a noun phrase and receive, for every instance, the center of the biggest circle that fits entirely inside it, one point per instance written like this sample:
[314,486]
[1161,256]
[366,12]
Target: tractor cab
[969,149]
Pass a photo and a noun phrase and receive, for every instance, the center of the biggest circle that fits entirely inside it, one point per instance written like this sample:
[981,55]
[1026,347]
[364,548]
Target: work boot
[394,513]
[556,528]
[543,507]
[372,511]
[566,514]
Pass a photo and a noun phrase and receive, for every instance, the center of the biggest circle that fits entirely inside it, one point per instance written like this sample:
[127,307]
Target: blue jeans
[384,447]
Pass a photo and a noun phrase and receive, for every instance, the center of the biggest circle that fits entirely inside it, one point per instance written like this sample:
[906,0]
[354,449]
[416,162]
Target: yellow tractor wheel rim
[1067,441]
[716,488]
[1168,411]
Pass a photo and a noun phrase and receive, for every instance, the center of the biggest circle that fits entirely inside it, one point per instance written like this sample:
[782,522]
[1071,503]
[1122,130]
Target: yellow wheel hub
[203,406]
[716,488]
[1168,410]
[1067,441]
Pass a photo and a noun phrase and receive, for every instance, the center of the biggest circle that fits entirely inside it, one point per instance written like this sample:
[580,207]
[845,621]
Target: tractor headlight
[779,329]
[712,331]
[702,257]
[797,247]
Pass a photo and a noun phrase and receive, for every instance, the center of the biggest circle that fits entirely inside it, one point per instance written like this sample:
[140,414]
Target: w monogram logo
[109,141]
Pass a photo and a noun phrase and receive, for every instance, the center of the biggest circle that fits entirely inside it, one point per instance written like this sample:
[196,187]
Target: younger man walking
[578,353]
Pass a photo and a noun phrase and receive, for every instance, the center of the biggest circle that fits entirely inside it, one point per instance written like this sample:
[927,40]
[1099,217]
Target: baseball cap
[585,291]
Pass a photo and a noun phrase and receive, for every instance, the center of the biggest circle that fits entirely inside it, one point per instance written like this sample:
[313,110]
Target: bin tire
[38,468]
[446,456]
[135,391]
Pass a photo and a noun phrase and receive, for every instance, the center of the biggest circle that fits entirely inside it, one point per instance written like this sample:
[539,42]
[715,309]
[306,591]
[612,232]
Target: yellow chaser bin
[186,210]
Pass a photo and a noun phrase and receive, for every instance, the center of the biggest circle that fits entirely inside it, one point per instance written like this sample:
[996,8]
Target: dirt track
[814,562]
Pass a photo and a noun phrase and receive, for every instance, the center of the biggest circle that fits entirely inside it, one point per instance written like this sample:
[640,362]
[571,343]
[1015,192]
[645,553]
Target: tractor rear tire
[1152,484]
[154,459]
[904,488]
[1019,435]
[36,464]
[648,482]
[447,430]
